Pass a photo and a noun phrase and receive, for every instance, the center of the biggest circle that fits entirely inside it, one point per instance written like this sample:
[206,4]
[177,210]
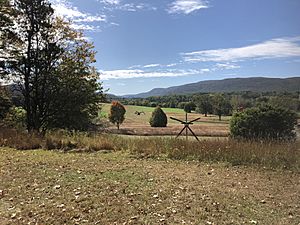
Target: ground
[139,124]
[52,187]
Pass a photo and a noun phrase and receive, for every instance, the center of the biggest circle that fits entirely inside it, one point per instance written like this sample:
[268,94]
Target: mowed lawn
[139,124]
[49,187]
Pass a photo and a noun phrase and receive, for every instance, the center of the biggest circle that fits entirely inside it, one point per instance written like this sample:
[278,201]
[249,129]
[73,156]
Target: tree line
[220,103]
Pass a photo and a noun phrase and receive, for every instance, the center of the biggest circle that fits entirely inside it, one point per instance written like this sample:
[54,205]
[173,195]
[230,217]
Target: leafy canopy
[117,113]
[52,65]
[266,122]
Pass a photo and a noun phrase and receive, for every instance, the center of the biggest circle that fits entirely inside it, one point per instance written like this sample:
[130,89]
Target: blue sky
[145,44]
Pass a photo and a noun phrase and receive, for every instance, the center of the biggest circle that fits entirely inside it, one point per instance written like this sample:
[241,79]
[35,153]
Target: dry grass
[50,187]
[17,139]
[59,140]
[78,141]
[267,154]
[139,125]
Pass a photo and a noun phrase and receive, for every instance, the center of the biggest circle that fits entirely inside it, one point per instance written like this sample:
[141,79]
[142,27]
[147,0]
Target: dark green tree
[117,113]
[221,105]
[158,118]
[189,106]
[204,104]
[266,122]
[285,102]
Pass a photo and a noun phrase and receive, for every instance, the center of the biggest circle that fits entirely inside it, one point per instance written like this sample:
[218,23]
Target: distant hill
[112,97]
[254,84]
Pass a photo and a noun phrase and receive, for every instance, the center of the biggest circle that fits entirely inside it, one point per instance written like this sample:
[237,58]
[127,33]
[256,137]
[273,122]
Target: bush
[158,118]
[16,117]
[265,122]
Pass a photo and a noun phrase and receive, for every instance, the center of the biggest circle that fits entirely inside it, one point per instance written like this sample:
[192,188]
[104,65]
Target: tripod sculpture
[186,127]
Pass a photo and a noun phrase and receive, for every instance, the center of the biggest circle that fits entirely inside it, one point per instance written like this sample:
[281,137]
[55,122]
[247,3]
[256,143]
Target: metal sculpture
[139,113]
[186,127]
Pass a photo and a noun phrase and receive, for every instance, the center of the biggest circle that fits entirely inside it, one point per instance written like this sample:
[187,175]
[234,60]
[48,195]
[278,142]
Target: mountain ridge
[254,84]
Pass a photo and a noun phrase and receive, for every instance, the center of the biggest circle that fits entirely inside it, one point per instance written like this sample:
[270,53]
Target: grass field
[139,125]
[50,187]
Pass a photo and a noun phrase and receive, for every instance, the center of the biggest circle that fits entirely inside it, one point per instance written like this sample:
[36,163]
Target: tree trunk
[220,117]
[27,86]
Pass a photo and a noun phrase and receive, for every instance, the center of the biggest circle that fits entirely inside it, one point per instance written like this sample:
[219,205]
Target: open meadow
[69,156]
[139,124]
[52,187]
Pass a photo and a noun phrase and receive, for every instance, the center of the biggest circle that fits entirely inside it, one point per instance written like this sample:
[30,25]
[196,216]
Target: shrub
[117,112]
[16,117]
[265,122]
[158,118]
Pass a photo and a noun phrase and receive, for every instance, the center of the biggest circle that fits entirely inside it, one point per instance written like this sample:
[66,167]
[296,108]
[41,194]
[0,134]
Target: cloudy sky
[144,44]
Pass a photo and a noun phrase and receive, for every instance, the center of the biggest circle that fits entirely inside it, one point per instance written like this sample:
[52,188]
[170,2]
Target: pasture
[139,124]
[51,187]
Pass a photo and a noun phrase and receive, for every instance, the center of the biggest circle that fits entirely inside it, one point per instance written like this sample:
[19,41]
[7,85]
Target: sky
[146,44]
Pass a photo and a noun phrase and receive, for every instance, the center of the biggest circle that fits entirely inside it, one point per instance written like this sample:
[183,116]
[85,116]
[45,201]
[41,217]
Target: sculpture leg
[180,132]
[193,134]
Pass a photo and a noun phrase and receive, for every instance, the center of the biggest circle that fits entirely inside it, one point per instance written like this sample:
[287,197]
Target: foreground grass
[269,154]
[51,187]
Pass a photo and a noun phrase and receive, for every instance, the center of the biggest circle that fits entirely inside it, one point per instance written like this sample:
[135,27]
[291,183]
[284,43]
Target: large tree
[204,104]
[117,113]
[221,105]
[52,65]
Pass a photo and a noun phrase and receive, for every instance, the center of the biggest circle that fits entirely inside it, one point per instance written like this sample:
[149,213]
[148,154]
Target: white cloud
[86,27]
[136,73]
[111,2]
[227,66]
[275,48]
[151,65]
[171,65]
[130,7]
[80,19]
[187,6]
[99,18]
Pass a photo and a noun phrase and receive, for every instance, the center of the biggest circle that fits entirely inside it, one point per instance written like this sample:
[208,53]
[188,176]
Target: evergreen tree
[158,118]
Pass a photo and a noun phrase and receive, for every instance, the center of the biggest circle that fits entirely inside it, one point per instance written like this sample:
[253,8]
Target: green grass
[50,187]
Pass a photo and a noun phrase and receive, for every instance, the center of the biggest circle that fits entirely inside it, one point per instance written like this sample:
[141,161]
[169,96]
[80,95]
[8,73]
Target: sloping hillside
[255,84]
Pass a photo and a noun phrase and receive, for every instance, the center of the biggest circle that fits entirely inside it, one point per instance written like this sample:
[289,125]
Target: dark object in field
[186,127]
[139,113]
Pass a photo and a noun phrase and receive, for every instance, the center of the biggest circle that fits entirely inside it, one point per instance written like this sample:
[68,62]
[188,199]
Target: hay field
[139,124]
